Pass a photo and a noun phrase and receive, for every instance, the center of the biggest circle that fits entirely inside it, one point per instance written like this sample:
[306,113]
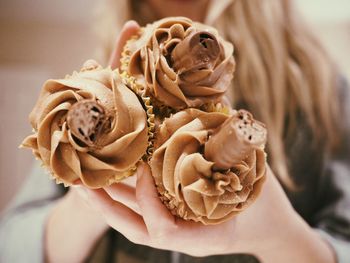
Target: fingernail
[77,182]
[131,22]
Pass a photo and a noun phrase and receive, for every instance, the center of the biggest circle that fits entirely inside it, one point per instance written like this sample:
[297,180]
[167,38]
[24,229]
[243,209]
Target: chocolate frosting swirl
[88,126]
[189,184]
[181,63]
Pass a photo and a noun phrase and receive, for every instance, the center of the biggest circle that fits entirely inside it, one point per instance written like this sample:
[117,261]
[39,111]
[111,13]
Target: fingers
[159,221]
[119,217]
[124,194]
[129,29]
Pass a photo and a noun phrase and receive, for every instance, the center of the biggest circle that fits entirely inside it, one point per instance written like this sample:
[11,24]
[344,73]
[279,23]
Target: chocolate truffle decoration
[234,140]
[88,121]
[199,50]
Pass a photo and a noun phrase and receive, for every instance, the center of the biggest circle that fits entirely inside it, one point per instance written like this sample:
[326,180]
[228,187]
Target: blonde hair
[282,70]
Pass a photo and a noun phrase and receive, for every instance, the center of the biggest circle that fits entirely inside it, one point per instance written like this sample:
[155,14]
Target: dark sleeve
[22,223]
[333,221]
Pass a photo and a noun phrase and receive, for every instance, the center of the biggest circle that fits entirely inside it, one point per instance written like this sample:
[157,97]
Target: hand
[141,217]
[269,228]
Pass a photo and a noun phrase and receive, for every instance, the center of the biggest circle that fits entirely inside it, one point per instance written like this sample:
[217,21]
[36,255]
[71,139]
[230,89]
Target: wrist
[72,229]
[295,241]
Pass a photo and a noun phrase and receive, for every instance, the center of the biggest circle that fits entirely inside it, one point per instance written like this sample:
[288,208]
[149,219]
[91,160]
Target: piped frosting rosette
[88,126]
[209,166]
[179,63]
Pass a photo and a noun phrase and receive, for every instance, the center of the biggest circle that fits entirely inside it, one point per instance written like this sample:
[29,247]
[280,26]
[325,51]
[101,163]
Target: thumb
[129,29]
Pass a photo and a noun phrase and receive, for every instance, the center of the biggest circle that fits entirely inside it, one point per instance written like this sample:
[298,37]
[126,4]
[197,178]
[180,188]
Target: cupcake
[208,167]
[88,126]
[179,63]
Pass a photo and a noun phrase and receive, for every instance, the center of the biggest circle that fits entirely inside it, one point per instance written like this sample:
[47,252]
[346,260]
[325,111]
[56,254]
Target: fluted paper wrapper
[88,126]
[180,63]
[148,106]
[189,184]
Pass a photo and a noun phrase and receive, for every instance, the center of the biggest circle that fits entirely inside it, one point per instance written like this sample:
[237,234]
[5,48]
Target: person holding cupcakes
[203,190]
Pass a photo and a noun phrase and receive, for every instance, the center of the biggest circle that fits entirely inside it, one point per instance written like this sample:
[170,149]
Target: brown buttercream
[188,183]
[234,140]
[88,126]
[181,63]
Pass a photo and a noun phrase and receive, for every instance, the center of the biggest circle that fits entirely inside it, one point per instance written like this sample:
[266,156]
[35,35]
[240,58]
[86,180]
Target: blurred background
[49,39]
